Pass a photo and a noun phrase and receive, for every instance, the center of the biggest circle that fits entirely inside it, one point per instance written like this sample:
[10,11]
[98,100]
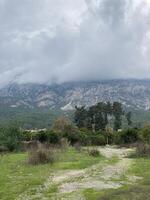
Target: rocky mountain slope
[132,93]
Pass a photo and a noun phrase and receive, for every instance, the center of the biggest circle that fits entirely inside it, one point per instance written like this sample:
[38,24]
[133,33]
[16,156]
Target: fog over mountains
[59,41]
[132,93]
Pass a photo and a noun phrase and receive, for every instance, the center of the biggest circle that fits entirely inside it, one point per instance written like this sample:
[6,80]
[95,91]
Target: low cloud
[66,40]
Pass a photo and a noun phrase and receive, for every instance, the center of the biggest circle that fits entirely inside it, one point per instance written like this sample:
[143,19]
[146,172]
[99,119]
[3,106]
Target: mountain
[132,93]
[38,105]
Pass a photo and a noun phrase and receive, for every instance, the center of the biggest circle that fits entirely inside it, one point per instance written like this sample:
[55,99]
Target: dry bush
[78,146]
[29,145]
[94,152]
[41,155]
[142,150]
[64,143]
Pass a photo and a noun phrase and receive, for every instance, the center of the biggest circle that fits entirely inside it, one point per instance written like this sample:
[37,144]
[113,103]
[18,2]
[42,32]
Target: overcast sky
[71,40]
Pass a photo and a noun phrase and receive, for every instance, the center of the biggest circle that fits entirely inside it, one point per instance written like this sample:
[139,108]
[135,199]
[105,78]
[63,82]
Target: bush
[48,136]
[42,136]
[41,155]
[97,139]
[53,137]
[3,149]
[60,124]
[77,146]
[142,150]
[94,152]
[10,138]
[145,135]
[27,136]
[29,145]
[128,136]
[84,137]
[64,144]
[71,133]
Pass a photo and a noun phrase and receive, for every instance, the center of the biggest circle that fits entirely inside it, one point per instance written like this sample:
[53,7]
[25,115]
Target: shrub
[145,135]
[128,136]
[84,137]
[27,135]
[142,150]
[71,133]
[77,146]
[41,155]
[64,143]
[48,136]
[94,152]
[28,145]
[97,139]
[3,149]
[10,138]
[60,124]
[42,136]
[53,137]
[117,138]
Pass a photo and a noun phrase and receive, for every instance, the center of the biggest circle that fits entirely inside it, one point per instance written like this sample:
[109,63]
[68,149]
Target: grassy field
[16,176]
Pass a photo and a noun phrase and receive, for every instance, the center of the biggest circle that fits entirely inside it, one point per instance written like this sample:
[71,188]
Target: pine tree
[128,117]
[117,112]
[80,116]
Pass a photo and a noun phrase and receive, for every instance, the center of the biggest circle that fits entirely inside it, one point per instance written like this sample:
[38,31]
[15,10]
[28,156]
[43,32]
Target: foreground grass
[16,176]
[137,191]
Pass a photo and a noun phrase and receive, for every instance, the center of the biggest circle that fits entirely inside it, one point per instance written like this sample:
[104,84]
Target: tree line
[98,117]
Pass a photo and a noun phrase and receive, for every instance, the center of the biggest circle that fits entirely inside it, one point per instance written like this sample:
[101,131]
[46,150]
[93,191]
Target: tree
[109,108]
[10,138]
[97,116]
[128,117]
[145,135]
[117,112]
[80,116]
[60,124]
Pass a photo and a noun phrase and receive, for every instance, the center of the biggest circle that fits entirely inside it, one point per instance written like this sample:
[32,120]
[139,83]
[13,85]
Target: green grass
[16,176]
[72,159]
[138,191]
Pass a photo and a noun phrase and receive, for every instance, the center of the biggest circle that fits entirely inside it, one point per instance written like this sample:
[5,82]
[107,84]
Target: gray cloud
[66,40]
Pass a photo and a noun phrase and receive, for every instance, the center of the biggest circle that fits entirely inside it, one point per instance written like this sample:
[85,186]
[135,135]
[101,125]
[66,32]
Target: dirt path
[71,183]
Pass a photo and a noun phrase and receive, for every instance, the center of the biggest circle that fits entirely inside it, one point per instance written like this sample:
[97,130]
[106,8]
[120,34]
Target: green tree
[128,117]
[80,116]
[117,112]
[10,138]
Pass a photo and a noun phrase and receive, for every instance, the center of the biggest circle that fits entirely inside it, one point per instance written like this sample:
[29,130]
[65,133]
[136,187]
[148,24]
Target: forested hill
[131,93]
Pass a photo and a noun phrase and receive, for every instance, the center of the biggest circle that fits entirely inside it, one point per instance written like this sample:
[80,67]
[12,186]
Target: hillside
[132,93]
[38,105]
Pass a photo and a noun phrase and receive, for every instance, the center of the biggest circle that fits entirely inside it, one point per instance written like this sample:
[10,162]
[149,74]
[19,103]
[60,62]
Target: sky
[56,41]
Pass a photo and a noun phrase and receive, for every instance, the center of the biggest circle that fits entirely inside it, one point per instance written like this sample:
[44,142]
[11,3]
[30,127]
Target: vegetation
[94,152]
[41,155]
[17,176]
[47,152]
[10,138]
[28,118]
[98,117]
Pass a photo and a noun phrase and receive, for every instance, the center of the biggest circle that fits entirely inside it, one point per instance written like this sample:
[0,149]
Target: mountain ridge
[131,93]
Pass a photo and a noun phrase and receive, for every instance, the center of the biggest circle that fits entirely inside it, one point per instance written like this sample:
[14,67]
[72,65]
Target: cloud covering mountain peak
[66,40]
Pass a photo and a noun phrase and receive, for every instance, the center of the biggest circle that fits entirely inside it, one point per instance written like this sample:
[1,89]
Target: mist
[56,41]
